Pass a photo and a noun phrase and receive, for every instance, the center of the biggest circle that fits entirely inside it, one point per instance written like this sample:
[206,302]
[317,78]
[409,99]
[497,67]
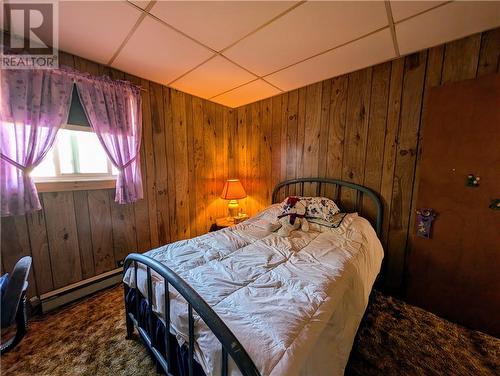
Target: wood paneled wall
[185,159]
[361,127]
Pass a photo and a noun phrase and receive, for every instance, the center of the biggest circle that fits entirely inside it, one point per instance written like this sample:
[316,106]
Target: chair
[13,303]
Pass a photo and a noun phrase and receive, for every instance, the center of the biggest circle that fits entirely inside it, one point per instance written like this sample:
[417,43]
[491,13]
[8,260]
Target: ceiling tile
[213,77]
[448,22]
[405,9]
[220,23]
[248,93]
[141,4]
[93,29]
[307,30]
[370,50]
[158,53]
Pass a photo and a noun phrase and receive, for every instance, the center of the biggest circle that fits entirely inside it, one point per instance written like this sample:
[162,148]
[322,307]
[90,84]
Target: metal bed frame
[229,343]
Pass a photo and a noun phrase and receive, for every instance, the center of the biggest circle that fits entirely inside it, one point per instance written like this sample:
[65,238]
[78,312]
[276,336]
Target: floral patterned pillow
[319,208]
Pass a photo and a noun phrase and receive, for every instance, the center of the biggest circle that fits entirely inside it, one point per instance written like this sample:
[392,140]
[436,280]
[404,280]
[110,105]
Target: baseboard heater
[78,290]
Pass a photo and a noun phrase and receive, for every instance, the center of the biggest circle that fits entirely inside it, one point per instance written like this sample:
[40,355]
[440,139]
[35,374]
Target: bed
[245,301]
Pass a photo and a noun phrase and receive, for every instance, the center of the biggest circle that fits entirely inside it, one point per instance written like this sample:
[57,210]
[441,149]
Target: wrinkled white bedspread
[294,303]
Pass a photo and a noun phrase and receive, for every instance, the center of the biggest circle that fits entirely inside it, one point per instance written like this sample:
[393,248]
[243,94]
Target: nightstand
[224,222]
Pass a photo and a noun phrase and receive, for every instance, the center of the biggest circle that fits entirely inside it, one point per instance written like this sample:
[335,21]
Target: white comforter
[294,303]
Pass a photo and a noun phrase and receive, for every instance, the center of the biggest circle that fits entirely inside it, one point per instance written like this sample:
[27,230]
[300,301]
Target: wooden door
[456,273]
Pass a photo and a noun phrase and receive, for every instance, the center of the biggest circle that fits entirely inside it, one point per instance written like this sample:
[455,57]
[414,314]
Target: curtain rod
[72,71]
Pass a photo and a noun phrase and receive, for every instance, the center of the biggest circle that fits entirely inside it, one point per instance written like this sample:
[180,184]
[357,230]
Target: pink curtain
[113,109]
[33,105]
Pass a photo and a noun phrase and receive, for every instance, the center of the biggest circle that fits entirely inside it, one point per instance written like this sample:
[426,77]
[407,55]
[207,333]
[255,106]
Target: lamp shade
[233,190]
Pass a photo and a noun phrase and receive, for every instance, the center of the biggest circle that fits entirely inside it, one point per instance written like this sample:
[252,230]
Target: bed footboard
[229,343]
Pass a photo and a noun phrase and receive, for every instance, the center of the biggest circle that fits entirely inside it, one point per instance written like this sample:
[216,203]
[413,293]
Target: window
[77,155]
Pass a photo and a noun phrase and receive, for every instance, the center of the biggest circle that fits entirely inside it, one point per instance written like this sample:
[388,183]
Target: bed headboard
[335,186]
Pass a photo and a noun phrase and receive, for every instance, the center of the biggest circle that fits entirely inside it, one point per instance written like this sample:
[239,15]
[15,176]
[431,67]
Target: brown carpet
[395,338]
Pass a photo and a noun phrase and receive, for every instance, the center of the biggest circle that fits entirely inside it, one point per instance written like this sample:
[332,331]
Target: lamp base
[233,208]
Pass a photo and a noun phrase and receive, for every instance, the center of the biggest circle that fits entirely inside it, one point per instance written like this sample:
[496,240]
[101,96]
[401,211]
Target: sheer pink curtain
[113,109]
[33,105]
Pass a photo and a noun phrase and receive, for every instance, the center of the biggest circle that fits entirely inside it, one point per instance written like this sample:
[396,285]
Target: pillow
[4,280]
[318,208]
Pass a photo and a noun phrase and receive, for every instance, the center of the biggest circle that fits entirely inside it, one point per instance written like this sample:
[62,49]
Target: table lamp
[233,191]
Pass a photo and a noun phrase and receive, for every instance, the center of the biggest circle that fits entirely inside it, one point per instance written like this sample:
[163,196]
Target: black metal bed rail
[360,191]
[230,344]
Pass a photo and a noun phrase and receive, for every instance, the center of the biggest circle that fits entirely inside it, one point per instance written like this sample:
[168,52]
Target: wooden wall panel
[301,128]
[224,123]
[376,134]
[461,59]
[291,137]
[277,145]
[390,144]
[221,156]
[284,129]
[160,162]
[40,250]
[101,230]
[199,166]
[490,53]
[253,148]
[150,183]
[191,169]
[358,113]
[84,230]
[171,165]
[63,238]
[142,225]
[228,135]
[336,129]
[240,146]
[15,244]
[265,162]
[180,152]
[210,155]
[123,227]
[326,93]
[312,128]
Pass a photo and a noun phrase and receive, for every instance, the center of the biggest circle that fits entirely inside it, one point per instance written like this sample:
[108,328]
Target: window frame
[74,181]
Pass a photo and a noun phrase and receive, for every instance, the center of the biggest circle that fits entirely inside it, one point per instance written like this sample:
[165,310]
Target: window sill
[74,185]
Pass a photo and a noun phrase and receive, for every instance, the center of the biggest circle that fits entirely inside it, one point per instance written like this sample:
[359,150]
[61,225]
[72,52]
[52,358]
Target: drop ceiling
[237,52]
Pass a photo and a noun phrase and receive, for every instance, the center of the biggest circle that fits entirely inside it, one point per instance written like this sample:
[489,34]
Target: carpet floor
[88,338]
